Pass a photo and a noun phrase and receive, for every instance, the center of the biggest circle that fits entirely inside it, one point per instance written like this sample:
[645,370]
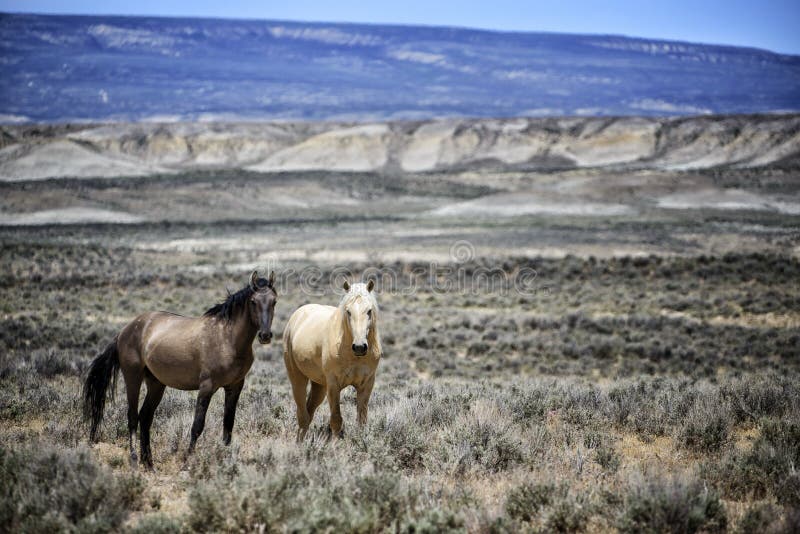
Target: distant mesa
[122,69]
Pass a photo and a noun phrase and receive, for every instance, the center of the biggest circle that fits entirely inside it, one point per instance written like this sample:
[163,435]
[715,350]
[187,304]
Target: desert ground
[589,346]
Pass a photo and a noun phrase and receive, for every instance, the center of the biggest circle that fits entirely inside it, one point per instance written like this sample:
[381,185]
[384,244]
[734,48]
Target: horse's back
[304,336]
[309,319]
[133,336]
[167,345]
[164,328]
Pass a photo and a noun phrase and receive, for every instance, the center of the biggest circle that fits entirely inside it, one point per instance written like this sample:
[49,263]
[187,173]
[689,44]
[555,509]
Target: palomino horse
[203,353]
[333,348]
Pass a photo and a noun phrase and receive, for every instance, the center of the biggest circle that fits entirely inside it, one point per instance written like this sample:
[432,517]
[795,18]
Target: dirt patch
[68,216]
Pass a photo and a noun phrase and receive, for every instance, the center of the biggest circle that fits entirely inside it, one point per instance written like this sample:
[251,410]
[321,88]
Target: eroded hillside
[137,149]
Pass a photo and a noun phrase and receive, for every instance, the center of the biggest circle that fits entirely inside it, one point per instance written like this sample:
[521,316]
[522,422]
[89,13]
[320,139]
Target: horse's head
[360,314]
[262,305]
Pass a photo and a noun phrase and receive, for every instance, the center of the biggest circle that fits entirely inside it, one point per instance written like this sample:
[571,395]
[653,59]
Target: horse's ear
[271,278]
[346,285]
[254,281]
[370,284]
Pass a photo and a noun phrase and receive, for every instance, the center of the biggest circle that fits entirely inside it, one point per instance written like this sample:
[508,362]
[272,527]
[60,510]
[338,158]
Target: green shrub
[433,521]
[766,469]
[525,502]
[157,523]
[607,458]
[482,439]
[320,498]
[406,441]
[213,459]
[384,494]
[758,519]
[246,503]
[62,490]
[755,397]
[567,514]
[530,405]
[662,504]
[548,506]
[706,428]
[649,407]
[593,440]
[789,523]
[49,363]
[787,491]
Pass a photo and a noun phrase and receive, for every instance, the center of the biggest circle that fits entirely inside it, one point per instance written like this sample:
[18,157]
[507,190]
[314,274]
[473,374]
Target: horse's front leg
[231,400]
[203,399]
[362,399]
[336,414]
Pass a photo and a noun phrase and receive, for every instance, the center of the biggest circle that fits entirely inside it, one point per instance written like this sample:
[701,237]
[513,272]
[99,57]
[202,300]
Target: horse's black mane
[236,301]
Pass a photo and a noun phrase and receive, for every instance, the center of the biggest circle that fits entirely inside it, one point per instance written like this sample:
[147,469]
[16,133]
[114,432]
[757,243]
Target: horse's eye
[369,313]
[348,313]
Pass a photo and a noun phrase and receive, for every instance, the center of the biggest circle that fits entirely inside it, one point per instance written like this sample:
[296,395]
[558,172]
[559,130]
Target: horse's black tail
[102,373]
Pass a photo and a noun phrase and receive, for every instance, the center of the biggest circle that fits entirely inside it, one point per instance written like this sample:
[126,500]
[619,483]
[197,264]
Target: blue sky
[770,24]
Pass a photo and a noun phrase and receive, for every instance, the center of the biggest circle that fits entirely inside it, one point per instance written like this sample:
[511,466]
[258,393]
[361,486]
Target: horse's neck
[243,331]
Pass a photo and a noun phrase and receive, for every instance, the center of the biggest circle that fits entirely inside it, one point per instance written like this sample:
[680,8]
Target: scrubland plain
[545,370]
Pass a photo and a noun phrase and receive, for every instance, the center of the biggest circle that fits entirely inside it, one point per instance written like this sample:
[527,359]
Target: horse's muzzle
[264,337]
[359,350]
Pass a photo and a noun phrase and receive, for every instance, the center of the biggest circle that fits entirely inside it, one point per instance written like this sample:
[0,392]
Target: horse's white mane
[358,290]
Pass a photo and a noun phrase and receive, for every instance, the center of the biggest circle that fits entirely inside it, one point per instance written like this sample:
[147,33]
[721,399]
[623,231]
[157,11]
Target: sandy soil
[68,216]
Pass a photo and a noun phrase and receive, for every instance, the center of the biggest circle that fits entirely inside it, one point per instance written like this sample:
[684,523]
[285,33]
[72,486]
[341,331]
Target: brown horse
[203,353]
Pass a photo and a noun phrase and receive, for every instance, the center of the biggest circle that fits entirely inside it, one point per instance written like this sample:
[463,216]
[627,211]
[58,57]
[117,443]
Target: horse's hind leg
[155,390]
[299,386]
[315,398]
[299,383]
[133,383]
[231,400]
